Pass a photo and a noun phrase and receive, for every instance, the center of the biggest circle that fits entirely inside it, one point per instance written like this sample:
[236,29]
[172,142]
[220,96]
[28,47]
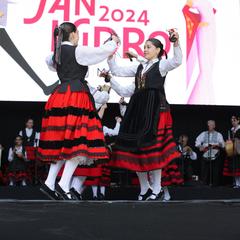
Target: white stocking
[237,181]
[143,180]
[77,183]
[102,190]
[167,196]
[52,174]
[70,167]
[156,180]
[94,189]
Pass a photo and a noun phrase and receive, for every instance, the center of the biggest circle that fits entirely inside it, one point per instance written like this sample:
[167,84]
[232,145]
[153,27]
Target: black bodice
[70,72]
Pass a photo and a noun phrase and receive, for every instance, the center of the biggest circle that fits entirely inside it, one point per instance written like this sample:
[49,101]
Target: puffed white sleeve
[193,156]
[199,140]
[100,97]
[49,62]
[221,140]
[111,132]
[169,64]
[122,71]
[92,55]
[123,91]
[25,156]
[37,138]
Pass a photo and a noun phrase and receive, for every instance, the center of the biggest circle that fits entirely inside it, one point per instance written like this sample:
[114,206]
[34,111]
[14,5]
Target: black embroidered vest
[28,141]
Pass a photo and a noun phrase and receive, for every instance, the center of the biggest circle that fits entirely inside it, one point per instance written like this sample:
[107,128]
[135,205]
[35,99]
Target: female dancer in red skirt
[95,170]
[145,142]
[71,129]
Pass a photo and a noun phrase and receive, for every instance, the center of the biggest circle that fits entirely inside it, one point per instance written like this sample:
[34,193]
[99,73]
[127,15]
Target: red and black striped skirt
[103,180]
[232,166]
[94,171]
[71,128]
[154,157]
[171,175]
[31,153]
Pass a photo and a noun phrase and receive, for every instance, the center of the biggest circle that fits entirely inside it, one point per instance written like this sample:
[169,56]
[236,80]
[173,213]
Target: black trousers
[210,171]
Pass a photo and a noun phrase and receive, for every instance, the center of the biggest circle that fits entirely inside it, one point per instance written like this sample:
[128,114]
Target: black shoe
[75,195]
[62,194]
[156,197]
[95,198]
[48,192]
[101,197]
[143,197]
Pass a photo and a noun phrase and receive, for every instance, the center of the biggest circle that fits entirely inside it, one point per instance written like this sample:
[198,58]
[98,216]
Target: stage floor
[113,220]
[25,213]
[182,193]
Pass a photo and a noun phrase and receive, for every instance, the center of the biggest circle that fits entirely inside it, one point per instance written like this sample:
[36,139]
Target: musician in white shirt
[210,143]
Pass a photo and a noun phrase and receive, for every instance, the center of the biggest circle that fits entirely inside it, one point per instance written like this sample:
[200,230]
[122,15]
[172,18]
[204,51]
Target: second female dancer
[71,129]
[145,142]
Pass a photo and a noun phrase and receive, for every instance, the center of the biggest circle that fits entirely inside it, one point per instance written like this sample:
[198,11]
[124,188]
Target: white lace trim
[84,160]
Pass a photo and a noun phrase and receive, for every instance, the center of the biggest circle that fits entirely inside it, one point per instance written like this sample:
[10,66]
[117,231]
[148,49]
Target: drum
[229,148]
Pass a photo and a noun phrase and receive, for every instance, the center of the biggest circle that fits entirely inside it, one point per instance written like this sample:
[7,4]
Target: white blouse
[17,150]
[87,55]
[123,91]
[100,97]
[165,66]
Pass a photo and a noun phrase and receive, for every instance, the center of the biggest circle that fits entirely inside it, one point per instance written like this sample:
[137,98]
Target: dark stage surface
[25,213]
[199,220]
[180,193]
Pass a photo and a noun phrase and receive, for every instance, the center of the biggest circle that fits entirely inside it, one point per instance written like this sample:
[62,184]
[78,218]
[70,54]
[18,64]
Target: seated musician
[188,155]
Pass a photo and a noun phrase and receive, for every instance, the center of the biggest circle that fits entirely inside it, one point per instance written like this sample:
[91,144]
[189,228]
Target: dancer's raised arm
[121,71]
[167,65]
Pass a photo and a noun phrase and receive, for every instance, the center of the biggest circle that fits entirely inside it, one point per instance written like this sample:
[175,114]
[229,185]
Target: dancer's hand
[201,149]
[118,119]
[121,100]
[187,149]
[20,155]
[110,57]
[106,88]
[104,106]
[131,55]
[105,74]
[116,39]
[175,35]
